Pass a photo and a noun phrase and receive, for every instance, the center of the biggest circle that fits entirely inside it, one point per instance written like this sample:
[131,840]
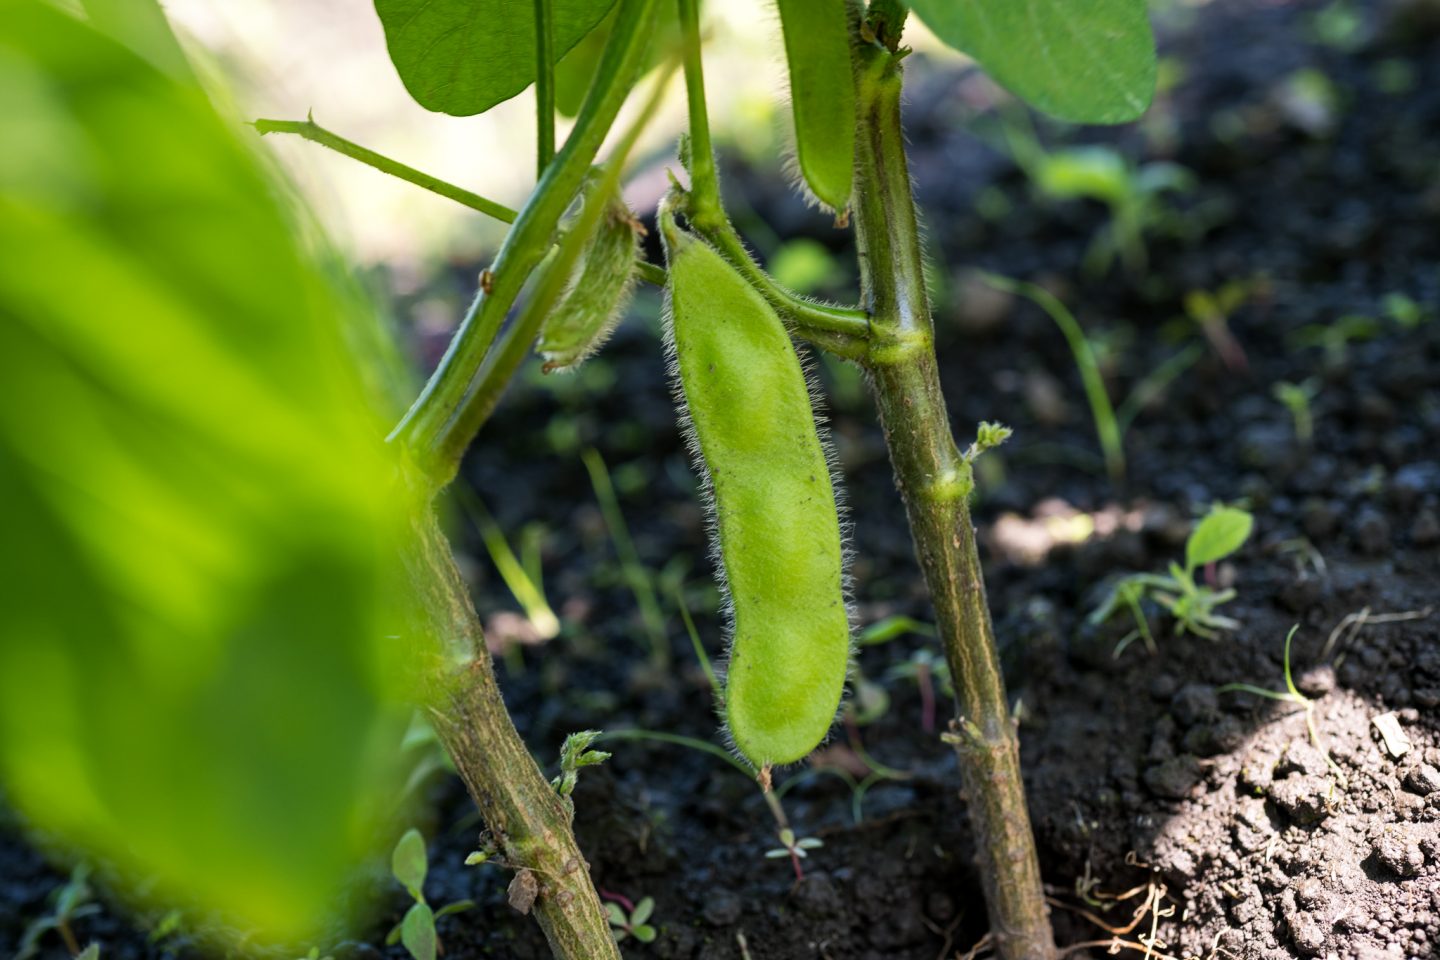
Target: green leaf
[200,679]
[616,914]
[1220,534]
[822,95]
[643,909]
[459,906]
[575,71]
[644,933]
[1090,62]
[409,863]
[417,932]
[92,952]
[464,56]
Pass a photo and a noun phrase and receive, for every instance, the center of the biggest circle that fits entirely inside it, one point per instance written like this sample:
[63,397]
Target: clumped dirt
[1209,820]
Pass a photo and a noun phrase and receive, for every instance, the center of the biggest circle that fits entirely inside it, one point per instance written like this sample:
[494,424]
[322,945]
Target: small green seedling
[1335,338]
[416,931]
[928,670]
[1292,694]
[1135,195]
[1111,423]
[1106,424]
[892,627]
[575,753]
[630,919]
[73,901]
[522,576]
[794,848]
[167,926]
[314,954]
[1218,535]
[1296,398]
[1211,312]
[1407,314]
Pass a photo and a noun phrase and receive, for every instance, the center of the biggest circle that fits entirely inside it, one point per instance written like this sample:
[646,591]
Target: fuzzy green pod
[776,523]
[822,95]
[592,306]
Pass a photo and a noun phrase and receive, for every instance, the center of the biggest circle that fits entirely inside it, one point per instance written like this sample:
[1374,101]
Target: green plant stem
[703,746]
[527,818]
[312,131]
[704,184]
[935,483]
[840,330]
[886,19]
[467,384]
[1101,411]
[544,86]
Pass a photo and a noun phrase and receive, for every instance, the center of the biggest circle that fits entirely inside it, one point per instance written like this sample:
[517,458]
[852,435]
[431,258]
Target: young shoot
[1211,312]
[1335,338]
[521,576]
[1292,694]
[1107,426]
[794,848]
[1296,397]
[409,863]
[1218,535]
[575,753]
[72,901]
[1137,196]
[629,919]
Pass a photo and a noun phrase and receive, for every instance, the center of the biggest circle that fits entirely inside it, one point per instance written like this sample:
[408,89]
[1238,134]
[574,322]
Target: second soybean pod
[776,523]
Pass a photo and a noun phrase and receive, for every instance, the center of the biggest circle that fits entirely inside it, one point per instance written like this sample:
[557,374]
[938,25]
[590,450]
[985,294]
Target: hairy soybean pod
[775,518]
[584,319]
[822,95]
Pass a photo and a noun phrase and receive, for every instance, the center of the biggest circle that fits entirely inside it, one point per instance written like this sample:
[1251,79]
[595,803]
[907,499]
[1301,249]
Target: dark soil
[1211,813]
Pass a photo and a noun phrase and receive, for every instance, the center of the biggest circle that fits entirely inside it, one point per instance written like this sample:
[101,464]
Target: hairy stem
[310,130]
[528,820]
[460,394]
[934,480]
[704,184]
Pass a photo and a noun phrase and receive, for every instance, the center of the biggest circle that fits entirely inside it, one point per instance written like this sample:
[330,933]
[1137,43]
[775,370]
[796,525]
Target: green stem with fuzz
[704,183]
[528,820]
[935,481]
[309,130]
[464,388]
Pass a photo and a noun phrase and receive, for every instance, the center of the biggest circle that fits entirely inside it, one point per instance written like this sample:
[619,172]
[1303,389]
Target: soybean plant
[731,329]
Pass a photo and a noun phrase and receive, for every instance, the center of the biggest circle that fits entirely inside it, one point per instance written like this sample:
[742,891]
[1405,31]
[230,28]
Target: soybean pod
[775,519]
[592,305]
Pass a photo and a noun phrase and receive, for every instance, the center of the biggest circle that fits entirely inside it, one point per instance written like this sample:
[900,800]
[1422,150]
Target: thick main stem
[934,480]
[528,820]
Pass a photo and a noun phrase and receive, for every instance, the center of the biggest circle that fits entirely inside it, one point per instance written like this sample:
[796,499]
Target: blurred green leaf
[409,863]
[575,71]
[417,932]
[822,95]
[1091,62]
[464,56]
[1223,531]
[199,678]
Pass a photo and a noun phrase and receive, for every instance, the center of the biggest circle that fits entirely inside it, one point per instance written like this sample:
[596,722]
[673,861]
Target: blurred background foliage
[203,680]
